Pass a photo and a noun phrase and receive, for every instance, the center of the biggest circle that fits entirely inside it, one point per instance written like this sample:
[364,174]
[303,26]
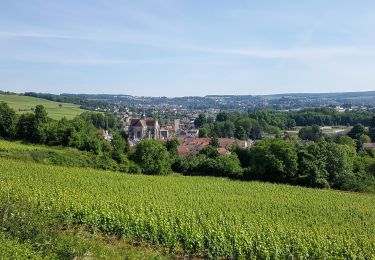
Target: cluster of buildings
[184,131]
[139,128]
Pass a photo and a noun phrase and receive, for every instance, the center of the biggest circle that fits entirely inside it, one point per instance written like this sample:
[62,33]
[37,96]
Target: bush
[153,157]
[273,160]
[222,166]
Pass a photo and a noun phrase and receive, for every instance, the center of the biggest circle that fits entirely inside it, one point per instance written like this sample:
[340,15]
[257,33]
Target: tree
[84,136]
[364,139]
[243,154]
[200,120]
[311,167]
[338,163]
[172,145]
[256,133]
[203,132]
[273,160]
[41,115]
[343,139]
[7,120]
[228,129]
[222,116]
[210,151]
[25,126]
[118,147]
[214,142]
[357,131]
[152,157]
[240,133]
[312,133]
[228,166]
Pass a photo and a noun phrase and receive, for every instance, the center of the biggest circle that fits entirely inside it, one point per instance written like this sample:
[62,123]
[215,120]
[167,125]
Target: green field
[22,104]
[199,216]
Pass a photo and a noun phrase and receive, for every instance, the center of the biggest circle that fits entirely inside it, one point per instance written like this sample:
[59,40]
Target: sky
[187,47]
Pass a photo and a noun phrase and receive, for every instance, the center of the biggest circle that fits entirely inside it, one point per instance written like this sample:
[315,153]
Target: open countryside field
[202,216]
[22,104]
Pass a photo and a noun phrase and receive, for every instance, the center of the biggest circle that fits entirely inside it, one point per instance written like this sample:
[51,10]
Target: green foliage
[214,142]
[312,164]
[327,116]
[208,217]
[273,118]
[346,140]
[7,120]
[222,116]
[357,131]
[118,147]
[363,138]
[240,133]
[26,127]
[312,133]
[100,120]
[40,114]
[200,120]
[210,151]
[203,132]
[256,132]
[273,160]
[152,157]
[172,145]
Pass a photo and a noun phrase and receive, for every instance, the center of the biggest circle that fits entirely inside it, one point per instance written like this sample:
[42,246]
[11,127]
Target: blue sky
[181,47]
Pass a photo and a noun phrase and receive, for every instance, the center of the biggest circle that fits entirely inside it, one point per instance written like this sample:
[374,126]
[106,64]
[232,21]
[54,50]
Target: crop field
[200,216]
[19,146]
[22,104]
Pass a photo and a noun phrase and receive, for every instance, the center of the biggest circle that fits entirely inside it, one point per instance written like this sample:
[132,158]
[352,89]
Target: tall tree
[7,120]
[200,120]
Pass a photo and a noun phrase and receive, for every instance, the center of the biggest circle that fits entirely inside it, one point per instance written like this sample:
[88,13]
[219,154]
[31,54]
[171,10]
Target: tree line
[252,124]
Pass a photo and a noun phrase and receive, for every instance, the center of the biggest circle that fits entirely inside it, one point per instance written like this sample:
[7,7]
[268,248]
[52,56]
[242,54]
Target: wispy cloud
[297,53]
[81,37]
[292,53]
[109,62]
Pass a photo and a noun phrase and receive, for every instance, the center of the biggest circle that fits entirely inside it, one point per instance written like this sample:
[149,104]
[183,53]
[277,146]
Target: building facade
[143,128]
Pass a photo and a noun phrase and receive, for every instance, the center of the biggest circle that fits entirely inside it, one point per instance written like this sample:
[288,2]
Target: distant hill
[333,95]
[23,104]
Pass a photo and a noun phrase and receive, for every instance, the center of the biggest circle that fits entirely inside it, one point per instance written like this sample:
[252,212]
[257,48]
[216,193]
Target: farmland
[22,104]
[201,216]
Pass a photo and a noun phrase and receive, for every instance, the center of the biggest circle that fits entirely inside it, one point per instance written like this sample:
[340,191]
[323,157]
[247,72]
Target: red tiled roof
[183,150]
[223,151]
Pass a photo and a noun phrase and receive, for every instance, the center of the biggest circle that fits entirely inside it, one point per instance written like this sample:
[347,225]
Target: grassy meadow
[22,104]
[197,216]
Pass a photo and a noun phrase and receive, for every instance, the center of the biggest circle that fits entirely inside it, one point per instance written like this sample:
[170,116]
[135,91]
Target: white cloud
[294,53]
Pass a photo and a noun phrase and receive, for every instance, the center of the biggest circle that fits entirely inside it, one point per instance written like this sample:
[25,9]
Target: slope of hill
[201,216]
[24,104]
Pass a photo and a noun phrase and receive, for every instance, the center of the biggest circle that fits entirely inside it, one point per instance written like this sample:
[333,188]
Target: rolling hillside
[24,104]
